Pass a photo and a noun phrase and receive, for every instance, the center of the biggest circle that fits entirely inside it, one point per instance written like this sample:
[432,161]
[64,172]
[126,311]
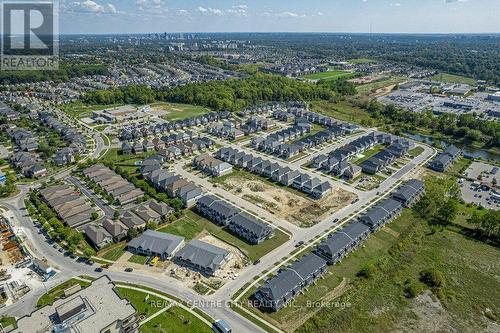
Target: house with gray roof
[216,210]
[97,235]
[155,243]
[377,216]
[116,229]
[202,257]
[250,228]
[340,243]
[280,290]
[409,192]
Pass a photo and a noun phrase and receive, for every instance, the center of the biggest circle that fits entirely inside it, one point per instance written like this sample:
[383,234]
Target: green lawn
[79,109]
[459,166]
[173,320]
[416,151]
[329,75]
[344,111]
[369,153]
[113,253]
[191,224]
[451,78]
[126,162]
[176,111]
[144,304]
[58,291]
[361,61]
[6,321]
[138,259]
[186,227]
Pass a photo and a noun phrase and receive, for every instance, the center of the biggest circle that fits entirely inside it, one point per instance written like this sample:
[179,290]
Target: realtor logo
[29,35]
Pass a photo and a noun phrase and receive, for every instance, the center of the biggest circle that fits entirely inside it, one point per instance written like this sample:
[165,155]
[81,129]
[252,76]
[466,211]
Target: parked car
[129,269]
[98,269]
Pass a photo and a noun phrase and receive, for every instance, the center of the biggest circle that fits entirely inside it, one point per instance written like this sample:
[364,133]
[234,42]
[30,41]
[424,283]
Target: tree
[88,253]
[432,278]
[132,233]
[94,216]
[152,225]
[448,211]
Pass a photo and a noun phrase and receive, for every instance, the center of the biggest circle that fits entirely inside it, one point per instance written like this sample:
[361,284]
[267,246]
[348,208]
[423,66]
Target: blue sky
[386,16]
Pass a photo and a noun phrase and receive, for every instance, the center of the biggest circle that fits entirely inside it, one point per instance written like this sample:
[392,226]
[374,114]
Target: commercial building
[95,309]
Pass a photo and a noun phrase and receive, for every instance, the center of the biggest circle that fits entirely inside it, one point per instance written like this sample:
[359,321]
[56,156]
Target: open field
[343,111]
[79,109]
[284,202]
[451,78]
[114,252]
[174,319]
[191,225]
[138,259]
[337,280]
[361,61]
[467,301]
[126,162]
[175,111]
[328,76]
[380,87]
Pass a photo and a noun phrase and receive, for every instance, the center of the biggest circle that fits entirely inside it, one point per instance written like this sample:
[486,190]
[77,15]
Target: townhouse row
[443,161]
[68,204]
[134,132]
[245,226]
[169,147]
[122,191]
[283,175]
[281,289]
[173,185]
[337,162]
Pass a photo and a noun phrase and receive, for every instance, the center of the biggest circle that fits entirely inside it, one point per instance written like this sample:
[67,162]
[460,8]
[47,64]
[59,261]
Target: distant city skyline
[349,16]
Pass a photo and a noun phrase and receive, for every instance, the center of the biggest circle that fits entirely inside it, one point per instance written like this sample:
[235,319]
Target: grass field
[113,253]
[177,111]
[323,291]
[58,291]
[191,224]
[451,78]
[344,111]
[361,61]
[138,259]
[126,162]
[328,76]
[173,320]
[416,151]
[79,109]
[468,300]
[370,88]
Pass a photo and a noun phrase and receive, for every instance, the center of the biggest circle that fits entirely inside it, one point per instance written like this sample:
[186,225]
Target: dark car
[98,269]
[256,262]
[128,269]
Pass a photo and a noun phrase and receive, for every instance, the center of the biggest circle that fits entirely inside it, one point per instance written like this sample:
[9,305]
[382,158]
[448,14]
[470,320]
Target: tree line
[464,127]
[229,95]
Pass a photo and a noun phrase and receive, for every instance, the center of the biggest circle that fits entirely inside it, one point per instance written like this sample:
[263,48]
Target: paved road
[68,268]
[108,211]
[215,304]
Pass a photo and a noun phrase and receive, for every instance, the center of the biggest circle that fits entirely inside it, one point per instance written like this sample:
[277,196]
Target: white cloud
[209,11]
[453,1]
[290,15]
[182,12]
[320,14]
[92,7]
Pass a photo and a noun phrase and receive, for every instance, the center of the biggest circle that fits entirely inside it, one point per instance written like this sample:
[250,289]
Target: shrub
[432,278]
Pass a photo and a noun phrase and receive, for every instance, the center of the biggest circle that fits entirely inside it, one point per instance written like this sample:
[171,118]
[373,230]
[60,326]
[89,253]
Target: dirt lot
[284,203]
